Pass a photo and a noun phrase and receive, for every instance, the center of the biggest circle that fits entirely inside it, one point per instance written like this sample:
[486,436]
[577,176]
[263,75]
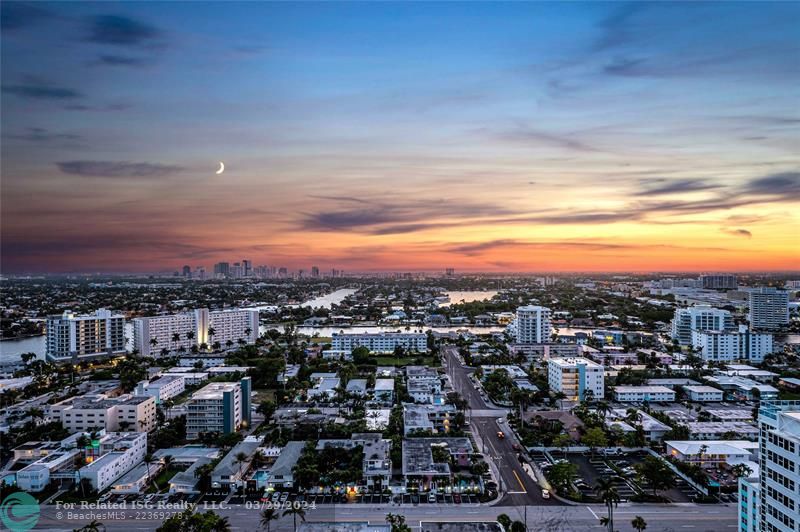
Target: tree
[397,522]
[657,473]
[240,459]
[267,517]
[295,512]
[27,357]
[561,475]
[607,491]
[639,523]
[594,437]
[504,520]
[518,526]
[741,470]
[361,355]
[93,526]
[562,441]
[149,459]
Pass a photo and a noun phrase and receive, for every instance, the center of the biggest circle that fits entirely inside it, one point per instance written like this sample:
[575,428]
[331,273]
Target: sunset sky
[484,137]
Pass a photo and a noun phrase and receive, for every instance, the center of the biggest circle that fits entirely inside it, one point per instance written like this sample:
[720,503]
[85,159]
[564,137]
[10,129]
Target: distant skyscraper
[719,281]
[221,269]
[533,325]
[283,272]
[314,271]
[769,308]
[449,272]
[187,271]
[247,268]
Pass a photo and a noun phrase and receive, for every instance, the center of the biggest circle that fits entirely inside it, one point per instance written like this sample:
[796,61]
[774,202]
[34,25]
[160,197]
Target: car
[431,497]
[284,496]
[501,435]
[516,447]
[545,494]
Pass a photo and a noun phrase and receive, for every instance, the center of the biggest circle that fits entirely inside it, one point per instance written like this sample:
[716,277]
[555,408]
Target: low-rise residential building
[703,394]
[384,391]
[640,394]
[282,471]
[36,476]
[712,451]
[357,387]
[324,389]
[162,389]
[576,378]
[125,451]
[421,467]
[744,389]
[672,383]
[382,342]
[229,472]
[90,412]
[436,419]
[220,407]
[717,430]
[653,429]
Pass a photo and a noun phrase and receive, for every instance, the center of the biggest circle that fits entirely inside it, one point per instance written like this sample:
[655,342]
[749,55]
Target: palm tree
[149,459]
[164,351]
[221,524]
[176,337]
[267,516]
[295,511]
[229,343]
[167,460]
[154,342]
[247,331]
[93,526]
[211,333]
[639,523]
[27,357]
[240,458]
[607,491]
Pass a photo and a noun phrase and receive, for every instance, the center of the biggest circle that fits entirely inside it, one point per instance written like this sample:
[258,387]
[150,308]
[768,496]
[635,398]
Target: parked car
[545,494]
[431,497]
[501,435]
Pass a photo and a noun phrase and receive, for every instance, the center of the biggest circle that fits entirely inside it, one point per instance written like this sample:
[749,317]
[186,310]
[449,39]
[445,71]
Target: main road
[486,421]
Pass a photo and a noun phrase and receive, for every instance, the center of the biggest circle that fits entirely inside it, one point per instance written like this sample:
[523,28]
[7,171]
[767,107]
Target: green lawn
[402,361]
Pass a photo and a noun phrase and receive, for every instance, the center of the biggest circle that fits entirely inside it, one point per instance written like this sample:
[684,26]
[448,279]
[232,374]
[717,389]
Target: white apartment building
[383,342]
[700,318]
[36,476]
[727,346]
[72,338]
[641,394]
[533,325]
[704,394]
[163,389]
[574,377]
[91,412]
[218,407]
[182,331]
[770,503]
[126,451]
[769,308]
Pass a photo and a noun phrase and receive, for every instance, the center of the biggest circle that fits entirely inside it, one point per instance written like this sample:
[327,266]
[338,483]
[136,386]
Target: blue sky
[403,128]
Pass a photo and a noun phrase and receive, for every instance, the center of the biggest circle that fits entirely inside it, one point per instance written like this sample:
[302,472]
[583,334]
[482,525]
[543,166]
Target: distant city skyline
[502,137]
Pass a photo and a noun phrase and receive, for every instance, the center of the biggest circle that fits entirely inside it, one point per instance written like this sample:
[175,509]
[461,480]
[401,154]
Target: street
[519,488]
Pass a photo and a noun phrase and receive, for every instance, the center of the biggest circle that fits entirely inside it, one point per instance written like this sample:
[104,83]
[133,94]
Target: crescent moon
[221,168]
